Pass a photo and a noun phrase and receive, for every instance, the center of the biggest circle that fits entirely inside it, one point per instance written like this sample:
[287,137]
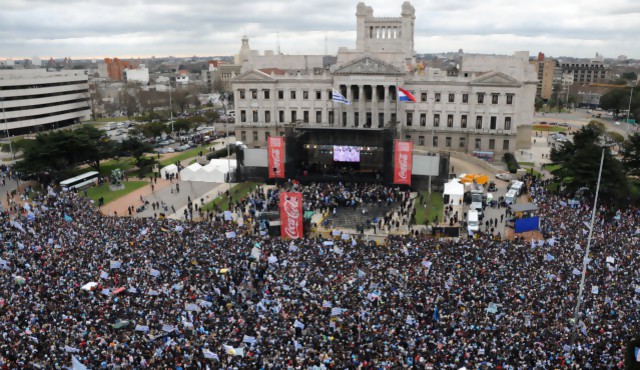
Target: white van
[473,223]
[511,197]
[517,186]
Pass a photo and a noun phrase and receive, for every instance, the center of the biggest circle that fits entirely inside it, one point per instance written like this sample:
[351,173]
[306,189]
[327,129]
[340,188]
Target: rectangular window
[380,120]
[356,119]
[305,94]
[423,96]
[243,116]
[329,95]
[293,94]
[492,144]
[344,119]
[267,94]
[465,98]
[435,141]
[421,140]
[243,136]
[480,98]
[423,119]
[447,141]
[241,92]
[280,94]
[294,116]
[409,118]
[436,120]
[267,116]
[463,142]
[494,98]
[368,120]
[254,94]
[319,116]
[255,136]
[437,97]
[281,116]
[254,116]
[267,134]
[450,120]
[407,137]
[305,116]
[463,121]
[478,144]
[331,117]
[507,123]
[510,98]
[493,123]
[505,145]
[318,95]
[479,122]
[452,98]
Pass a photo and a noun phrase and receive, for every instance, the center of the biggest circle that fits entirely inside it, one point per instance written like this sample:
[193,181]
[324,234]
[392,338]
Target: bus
[80,181]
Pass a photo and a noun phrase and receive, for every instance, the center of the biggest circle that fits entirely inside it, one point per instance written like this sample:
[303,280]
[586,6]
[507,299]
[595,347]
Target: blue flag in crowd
[436,314]
[67,218]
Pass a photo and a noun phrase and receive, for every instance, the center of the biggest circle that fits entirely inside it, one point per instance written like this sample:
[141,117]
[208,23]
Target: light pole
[6,128]
[585,260]
[170,106]
[630,96]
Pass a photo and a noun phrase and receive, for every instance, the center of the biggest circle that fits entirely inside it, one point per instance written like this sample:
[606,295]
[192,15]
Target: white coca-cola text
[403,162]
[291,209]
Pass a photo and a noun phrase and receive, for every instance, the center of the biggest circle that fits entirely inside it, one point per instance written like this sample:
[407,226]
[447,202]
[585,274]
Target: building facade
[481,108]
[34,100]
[587,71]
[116,68]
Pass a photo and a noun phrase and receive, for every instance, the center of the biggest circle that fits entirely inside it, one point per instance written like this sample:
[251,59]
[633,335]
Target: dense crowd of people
[168,294]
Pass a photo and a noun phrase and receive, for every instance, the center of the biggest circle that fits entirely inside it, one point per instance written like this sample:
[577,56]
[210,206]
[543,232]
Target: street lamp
[630,96]
[585,261]
[6,128]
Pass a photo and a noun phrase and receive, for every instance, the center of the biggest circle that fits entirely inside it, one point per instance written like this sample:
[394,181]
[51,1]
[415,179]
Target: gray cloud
[93,28]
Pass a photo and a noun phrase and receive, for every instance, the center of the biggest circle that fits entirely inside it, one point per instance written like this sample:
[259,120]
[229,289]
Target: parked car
[554,123]
[563,124]
[504,176]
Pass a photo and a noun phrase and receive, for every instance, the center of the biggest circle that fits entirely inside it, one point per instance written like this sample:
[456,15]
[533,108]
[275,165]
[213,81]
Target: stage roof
[523,207]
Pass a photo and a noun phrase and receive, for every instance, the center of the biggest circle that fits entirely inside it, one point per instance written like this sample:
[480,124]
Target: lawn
[435,207]
[184,155]
[236,192]
[552,167]
[525,164]
[103,191]
[549,128]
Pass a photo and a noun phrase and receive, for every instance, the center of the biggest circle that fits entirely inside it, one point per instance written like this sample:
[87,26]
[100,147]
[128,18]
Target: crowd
[127,293]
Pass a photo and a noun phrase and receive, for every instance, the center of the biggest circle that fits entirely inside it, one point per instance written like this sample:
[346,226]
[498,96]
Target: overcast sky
[131,28]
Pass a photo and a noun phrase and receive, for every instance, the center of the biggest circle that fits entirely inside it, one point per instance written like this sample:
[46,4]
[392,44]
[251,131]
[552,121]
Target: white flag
[272,259]
[71,349]
[327,304]
[576,271]
[168,328]
[115,264]
[154,273]
[191,307]
[298,324]
[210,355]
[76,365]
[230,234]
[142,328]
[103,275]
[336,311]
[248,339]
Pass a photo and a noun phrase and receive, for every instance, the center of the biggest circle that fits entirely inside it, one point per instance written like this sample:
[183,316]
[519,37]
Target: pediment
[254,75]
[368,66]
[496,79]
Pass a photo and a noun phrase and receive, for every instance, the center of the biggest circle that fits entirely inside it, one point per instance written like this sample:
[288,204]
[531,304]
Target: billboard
[402,162]
[275,152]
[291,215]
[527,224]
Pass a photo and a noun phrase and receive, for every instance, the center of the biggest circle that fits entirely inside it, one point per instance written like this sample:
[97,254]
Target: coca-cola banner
[291,215]
[403,162]
[275,151]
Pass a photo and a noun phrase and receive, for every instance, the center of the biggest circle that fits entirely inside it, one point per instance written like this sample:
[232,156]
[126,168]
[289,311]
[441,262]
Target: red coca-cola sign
[291,215]
[403,162]
[275,152]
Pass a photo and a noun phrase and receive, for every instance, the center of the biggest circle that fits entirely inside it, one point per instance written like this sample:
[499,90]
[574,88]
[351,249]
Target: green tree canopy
[580,161]
[630,153]
[618,100]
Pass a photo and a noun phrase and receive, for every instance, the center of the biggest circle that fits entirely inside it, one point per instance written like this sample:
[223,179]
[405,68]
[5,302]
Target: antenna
[326,45]
[278,45]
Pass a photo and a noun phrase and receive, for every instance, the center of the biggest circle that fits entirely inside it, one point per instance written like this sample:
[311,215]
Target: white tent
[189,173]
[170,169]
[455,191]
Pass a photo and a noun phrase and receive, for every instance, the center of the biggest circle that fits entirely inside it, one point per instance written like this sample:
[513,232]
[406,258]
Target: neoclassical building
[483,108]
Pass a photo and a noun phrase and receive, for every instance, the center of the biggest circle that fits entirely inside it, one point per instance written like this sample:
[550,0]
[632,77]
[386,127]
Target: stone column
[387,97]
[374,106]
[361,106]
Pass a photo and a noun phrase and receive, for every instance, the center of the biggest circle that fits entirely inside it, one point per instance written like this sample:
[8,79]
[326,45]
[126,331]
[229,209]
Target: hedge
[511,162]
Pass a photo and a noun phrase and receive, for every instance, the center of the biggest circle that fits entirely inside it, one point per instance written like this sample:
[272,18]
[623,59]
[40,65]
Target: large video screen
[342,153]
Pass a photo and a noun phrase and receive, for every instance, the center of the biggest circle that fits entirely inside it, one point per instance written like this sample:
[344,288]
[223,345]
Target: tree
[133,147]
[155,129]
[630,153]
[632,76]
[180,99]
[212,115]
[618,138]
[539,103]
[580,163]
[618,99]
[182,125]
[93,145]
[196,121]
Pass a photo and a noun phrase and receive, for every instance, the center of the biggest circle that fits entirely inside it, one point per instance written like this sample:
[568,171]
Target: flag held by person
[339,98]
[248,339]
[115,264]
[436,314]
[76,364]
[337,311]
[298,324]
[406,96]
[210,355]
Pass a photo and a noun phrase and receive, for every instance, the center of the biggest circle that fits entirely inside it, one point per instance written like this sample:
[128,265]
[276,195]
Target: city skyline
[92,29]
